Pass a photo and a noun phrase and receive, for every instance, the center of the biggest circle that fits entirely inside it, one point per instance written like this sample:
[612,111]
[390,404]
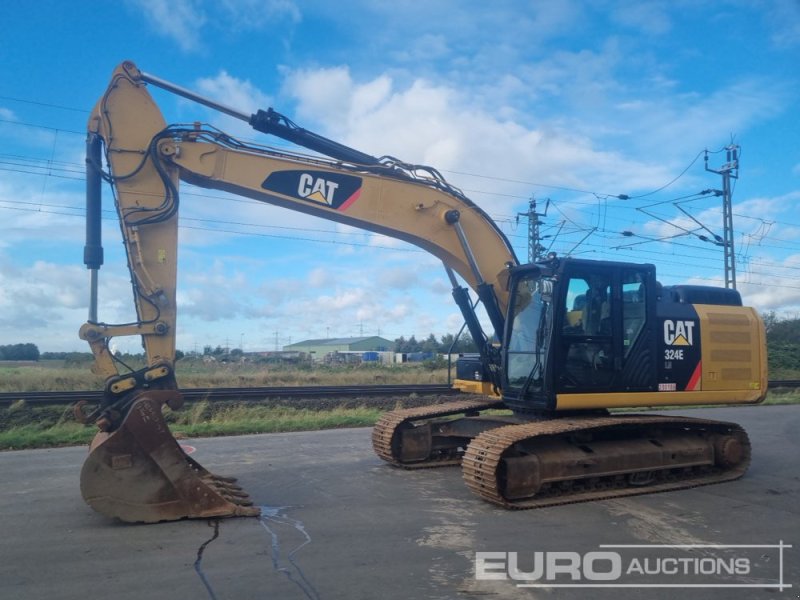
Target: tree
[770,320]
[430,345]
[782,330]
[446,343]
[407,345]
[19,352]
[462,345]
[467,344]
[783,346]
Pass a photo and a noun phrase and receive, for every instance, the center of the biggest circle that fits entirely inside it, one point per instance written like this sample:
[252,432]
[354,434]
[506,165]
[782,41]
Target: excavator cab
[578,326]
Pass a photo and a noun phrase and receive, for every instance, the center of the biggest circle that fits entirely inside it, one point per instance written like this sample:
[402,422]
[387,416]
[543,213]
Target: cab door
[605,323]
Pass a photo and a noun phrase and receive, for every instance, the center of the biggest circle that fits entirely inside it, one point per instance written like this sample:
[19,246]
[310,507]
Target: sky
[579,102]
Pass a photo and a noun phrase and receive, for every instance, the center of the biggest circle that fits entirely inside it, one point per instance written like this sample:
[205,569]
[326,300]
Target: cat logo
[316,188]
[678,333]
[334,190]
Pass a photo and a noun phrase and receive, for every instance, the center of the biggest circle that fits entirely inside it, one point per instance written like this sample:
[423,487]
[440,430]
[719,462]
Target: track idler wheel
[138,473]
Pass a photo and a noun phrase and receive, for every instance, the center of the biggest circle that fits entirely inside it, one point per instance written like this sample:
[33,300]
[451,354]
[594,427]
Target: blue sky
[575,101]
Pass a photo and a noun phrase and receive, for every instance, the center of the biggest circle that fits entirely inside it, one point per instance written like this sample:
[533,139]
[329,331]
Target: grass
[242,419]
[38,427]
[783,396]
[57,376]
[29,426]
[34,436]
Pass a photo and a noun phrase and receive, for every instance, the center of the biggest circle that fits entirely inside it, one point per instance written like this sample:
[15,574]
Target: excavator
[572,339]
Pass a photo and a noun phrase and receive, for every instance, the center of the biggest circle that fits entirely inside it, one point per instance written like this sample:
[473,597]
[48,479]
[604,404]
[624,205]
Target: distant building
[320,349]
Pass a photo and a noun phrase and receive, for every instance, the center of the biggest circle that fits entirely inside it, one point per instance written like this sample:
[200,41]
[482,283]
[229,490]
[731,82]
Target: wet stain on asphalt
[273,520]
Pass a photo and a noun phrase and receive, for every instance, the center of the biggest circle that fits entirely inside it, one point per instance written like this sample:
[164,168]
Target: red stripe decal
[350,200]
[694,382]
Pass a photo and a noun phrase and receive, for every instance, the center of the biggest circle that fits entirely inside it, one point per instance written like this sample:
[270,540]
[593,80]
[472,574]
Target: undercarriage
[521,462]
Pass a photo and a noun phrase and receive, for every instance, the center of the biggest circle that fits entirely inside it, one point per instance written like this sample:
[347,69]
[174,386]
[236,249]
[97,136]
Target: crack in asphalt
[198,563]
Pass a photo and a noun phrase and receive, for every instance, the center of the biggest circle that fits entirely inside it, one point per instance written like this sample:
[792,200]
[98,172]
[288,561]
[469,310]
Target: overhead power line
[567,234]
[592,248]
[45,104]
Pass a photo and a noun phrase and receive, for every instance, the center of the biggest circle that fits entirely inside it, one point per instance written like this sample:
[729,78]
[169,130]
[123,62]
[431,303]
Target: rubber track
[483,455]
[387,425]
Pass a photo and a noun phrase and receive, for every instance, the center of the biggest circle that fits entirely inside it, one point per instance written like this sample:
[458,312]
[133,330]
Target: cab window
[633,309]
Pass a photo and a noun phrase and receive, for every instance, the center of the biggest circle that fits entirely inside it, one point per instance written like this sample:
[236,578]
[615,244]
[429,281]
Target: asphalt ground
[339,523]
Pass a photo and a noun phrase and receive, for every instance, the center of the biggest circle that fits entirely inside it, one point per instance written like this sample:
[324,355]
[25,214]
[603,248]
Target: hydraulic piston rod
[93,250]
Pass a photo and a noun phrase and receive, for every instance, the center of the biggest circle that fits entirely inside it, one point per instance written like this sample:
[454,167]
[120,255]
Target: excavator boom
[136,470]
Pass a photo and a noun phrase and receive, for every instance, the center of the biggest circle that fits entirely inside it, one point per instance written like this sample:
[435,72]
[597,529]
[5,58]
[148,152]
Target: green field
[24,426]
[27,426]
[62,376]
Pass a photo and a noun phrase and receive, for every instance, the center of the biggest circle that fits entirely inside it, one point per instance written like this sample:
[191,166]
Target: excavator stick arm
[136,471]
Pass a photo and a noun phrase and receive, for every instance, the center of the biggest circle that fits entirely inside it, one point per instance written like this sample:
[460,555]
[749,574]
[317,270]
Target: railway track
[243,394]
[262,393]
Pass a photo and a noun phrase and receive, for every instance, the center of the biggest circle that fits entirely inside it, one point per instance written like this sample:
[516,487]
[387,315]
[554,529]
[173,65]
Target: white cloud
[180,20]
[764,284]
[384,241]
[320,278]
[399,278]
[651,17]
[783,16]
[436,125]
[35,206]
[348,298]
[324,95]
[234,92]
[239,94]
[45,302]
[257,14]
[707,120]
[427,47]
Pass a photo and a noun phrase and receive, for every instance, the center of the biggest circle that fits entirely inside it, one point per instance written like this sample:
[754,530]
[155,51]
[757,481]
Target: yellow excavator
[571,338]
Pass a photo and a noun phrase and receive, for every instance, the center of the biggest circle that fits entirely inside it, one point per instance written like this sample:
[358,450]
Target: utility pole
[728,171]
[535,248]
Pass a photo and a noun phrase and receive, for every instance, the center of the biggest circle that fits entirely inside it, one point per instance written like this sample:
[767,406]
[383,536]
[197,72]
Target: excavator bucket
[139,473]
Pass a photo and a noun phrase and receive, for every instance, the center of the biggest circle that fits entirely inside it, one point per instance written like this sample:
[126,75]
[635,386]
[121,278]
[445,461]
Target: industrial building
[320,349]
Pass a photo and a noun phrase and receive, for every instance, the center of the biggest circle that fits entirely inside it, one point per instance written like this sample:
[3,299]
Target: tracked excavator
[572,339]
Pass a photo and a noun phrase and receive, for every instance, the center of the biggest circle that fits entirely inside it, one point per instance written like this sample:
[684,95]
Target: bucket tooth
[139,473]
